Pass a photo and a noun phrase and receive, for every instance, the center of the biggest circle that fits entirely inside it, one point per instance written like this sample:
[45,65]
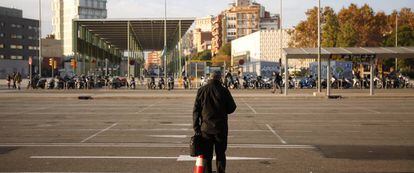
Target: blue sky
[293,10]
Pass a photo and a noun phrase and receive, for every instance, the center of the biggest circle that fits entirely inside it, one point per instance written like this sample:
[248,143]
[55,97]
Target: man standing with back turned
[211,108]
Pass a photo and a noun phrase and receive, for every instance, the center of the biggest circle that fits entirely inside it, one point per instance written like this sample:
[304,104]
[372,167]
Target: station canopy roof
[149,32]
[380,52]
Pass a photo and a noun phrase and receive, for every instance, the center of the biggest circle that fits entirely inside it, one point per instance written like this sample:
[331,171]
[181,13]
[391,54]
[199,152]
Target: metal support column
[40,39]
[286,76]
[396,39]
[280,31]
[319,48]
[371,72]
[128,44]
[328,77]
[84,64]
[165,40]
[179,49]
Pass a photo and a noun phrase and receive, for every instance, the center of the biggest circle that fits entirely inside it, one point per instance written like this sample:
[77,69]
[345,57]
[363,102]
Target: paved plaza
[149,131]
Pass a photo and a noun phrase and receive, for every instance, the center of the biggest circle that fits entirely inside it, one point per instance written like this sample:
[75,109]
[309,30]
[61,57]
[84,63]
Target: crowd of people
[14,80]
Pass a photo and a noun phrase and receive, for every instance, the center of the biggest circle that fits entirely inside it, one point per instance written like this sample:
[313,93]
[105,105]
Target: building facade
[51,49]
[217,34]
[64,11]
[204,23]
[199,38]
[202,33]
[19,41]
[259,46]
[260,51]
[153,60]
[243,17]
[241,20]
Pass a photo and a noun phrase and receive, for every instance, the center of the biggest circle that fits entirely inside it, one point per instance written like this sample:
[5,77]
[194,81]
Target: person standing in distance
[211,108]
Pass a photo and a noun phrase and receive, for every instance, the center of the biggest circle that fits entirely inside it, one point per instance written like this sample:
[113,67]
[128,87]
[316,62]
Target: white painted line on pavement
[103,130]
[176,124]
[152,145]
[181,158]
[99,157]
[184,158]
[274,132]
[251,108]
[142,110]
[168,136]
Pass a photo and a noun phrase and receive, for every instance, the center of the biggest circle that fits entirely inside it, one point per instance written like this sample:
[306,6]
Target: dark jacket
[212,105]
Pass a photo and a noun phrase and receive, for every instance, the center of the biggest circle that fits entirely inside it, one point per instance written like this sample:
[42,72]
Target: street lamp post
[396,39]
[40,38]
[319,47]
[128,45]
[165,39]
[281,47]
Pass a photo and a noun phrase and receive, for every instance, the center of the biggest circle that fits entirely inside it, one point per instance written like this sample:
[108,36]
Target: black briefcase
[195,145]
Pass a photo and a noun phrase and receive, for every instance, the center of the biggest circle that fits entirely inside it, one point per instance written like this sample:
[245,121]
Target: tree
[306,32]
[348,33]
[405,38]
[330,28]
[225,49]
[223,56]
[204,55]
[347,36]
[355,26]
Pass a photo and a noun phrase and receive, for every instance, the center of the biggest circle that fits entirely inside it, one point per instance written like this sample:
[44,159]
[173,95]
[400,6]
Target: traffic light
[51,62]
[54,64]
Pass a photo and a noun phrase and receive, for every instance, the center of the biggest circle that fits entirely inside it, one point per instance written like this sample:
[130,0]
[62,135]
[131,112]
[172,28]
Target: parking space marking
[103,130]
[142,110]
[168,136]
[274,132]
[176,125]
[251,108]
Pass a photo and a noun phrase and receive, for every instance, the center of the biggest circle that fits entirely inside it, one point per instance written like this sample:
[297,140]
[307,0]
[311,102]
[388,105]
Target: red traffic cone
[199,165]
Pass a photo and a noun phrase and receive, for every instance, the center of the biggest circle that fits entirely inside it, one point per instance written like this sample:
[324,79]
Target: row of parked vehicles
[81,82]
[259,82]
[229,81]
[161,84]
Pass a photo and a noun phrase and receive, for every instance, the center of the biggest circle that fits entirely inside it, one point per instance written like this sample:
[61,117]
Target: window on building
[13,46]
[1,35]
[1,56]
[33,48]
[15,36]
[1,46]
[16,25]
[32,28]
[16,57]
